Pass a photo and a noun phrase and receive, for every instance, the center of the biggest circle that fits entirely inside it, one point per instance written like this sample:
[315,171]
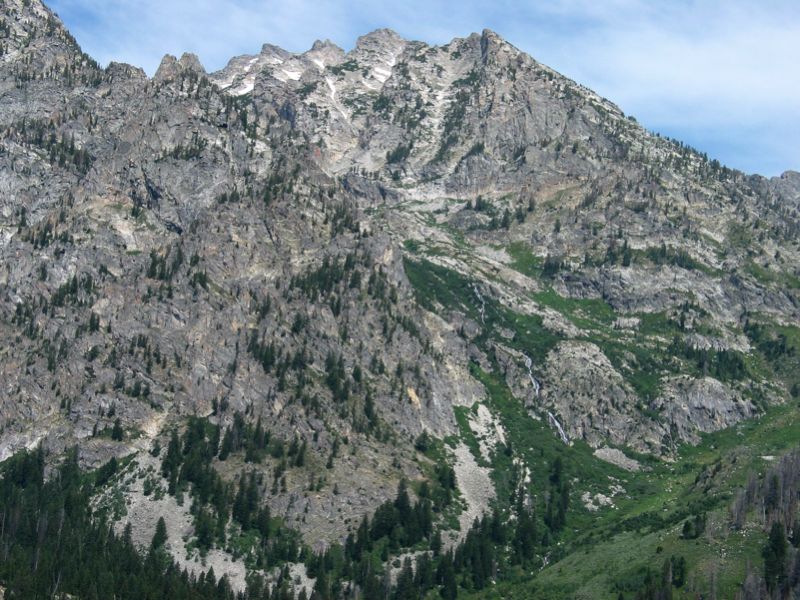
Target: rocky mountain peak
[791,176]
[383,36]
[324,54]
[380,50]
[33,33]
[191,62]
[395,258]
[171,67]
[273,53]
[117,70]
[321,45]
[40,58]
[493,43]
[27,12]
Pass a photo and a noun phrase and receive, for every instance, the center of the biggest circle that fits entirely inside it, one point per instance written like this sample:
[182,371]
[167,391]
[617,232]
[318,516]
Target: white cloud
[722,76]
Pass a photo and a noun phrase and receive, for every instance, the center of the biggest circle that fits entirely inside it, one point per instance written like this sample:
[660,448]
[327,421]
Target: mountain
[258,301]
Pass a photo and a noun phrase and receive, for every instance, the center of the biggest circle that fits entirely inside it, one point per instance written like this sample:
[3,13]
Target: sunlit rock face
[330,243]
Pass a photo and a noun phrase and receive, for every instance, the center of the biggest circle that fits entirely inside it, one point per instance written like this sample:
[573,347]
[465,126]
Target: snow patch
[247,86]
[332,87]
[293,75]
[250,64]
[248,81]
[381,74]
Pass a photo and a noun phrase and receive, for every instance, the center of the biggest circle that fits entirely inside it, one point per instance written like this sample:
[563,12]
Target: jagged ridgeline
[407,321]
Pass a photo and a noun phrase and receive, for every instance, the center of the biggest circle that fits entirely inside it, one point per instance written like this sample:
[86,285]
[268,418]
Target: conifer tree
[116,432]
[160,535]
[774,554]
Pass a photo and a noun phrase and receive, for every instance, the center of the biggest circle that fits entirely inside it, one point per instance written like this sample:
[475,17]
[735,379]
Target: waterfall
[482,309]
[534,382]
[536,390]
[554,423]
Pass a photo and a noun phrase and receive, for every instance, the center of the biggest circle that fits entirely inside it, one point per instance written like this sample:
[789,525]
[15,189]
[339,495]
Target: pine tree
[263,523]
[160,536]
[524,537]
[404,589]
[424,576]
[227,445]
[171,462]
[362,540]
[436,543]
[678,571]
[204,530]
[241,512]
[116,432]
[774,554]
[446,576]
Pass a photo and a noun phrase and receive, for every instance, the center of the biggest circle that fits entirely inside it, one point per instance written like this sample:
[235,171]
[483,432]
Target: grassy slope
[603,553]
[613,546]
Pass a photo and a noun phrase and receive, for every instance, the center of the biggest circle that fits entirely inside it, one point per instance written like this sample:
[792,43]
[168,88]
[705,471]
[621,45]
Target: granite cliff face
[338,244]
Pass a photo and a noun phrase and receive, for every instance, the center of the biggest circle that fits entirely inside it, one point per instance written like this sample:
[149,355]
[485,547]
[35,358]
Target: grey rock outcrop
[299,237]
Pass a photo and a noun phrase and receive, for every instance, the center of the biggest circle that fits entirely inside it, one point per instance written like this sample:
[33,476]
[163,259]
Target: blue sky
[723,76]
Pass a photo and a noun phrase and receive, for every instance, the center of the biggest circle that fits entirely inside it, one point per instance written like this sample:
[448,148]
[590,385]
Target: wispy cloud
[721,76]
